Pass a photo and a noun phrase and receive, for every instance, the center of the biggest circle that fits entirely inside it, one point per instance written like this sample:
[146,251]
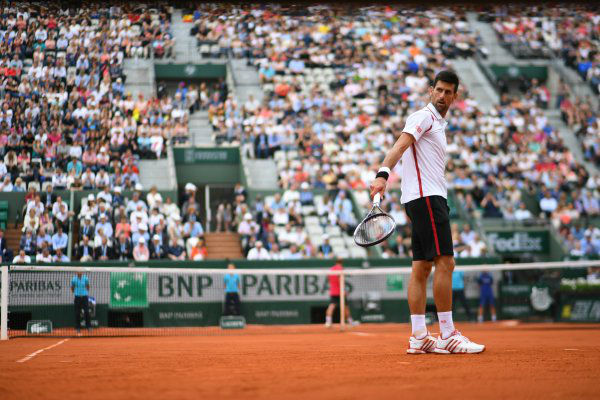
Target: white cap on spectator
[258,243]
[143,227]
[91,197]
[155,237]
[138,186]
[247,216]
[176,217]
[142,239]
[304,185]
[325,236]
[190,186]
[102,215]
[117,189]
[102,149]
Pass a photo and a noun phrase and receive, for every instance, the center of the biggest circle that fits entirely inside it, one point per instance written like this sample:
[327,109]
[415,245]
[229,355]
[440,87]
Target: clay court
[521,361]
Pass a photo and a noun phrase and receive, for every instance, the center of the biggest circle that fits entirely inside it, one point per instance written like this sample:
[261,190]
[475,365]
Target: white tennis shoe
[421,346]
[457,344]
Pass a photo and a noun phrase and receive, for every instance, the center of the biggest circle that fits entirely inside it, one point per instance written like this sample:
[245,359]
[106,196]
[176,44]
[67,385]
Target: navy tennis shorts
[431,235]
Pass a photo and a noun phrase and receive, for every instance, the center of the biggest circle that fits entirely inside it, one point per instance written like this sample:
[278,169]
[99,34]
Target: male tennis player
[424,195]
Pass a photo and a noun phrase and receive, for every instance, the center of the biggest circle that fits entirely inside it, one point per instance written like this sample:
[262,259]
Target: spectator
[22,258]
[258,252]
[104,251]
[106,227]
[275,253]
[28,243]
[60,257]
[140,251]
[123,248]
[5,252]
[44,255]
[85,250]
[199,251]
[491,207]
[123,227]
[87,229]
[477,248]
[548,204]
[325,249]
[153,197]
[60,240]
[157,250]
[176,252]
[141,233]
[523,213]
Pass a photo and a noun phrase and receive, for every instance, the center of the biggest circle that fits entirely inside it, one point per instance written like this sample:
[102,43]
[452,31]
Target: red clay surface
[533,361]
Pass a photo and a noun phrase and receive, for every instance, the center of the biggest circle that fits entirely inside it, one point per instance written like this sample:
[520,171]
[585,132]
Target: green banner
[190,71]
[515,301]
[516,242]
[539,72]
[128,290]
[207,156]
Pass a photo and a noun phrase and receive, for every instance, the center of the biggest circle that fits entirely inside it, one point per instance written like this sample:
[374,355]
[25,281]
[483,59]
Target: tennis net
[118,301]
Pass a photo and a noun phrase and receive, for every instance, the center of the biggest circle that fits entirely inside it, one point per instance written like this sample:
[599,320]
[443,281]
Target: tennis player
[422,147]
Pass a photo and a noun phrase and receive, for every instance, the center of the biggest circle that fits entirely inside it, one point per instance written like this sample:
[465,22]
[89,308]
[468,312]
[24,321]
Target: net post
[342,301]
[4,304]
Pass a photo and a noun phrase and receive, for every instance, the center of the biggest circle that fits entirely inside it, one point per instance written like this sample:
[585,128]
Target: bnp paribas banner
[138,290]
[514,242]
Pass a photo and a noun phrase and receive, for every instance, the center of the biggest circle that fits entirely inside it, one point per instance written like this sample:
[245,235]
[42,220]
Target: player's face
[442,96]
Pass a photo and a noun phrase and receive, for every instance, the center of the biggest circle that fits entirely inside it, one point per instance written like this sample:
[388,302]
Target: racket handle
[377,199]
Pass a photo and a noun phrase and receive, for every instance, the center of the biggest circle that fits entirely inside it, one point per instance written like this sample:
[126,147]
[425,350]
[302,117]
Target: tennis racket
[376,227]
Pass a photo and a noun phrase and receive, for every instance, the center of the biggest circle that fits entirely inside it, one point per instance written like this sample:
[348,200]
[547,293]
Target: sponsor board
[38,327]
[520,242]
[232,322]
[581,310]
[138,290]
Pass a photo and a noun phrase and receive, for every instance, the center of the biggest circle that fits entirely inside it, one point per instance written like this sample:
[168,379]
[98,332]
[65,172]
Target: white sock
[446,324]
[419,329]
[350,320]
[327,320]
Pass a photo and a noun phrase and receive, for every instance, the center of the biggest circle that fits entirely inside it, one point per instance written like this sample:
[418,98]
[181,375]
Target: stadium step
[569,138]
[13,237]
[476,83]
[223,245]
[201,131]
[156,172]
[497,53]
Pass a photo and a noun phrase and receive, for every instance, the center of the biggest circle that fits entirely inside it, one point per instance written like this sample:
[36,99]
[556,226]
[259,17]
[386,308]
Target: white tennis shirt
[424,163]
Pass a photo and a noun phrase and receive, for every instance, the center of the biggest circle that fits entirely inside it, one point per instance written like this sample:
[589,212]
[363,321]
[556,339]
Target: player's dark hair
[448,77]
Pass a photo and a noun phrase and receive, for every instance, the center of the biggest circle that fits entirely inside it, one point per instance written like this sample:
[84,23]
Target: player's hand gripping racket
[376,227]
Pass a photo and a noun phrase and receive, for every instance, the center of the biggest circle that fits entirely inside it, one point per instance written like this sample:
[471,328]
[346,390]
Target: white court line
[361,334]
[35,353]
[571,349]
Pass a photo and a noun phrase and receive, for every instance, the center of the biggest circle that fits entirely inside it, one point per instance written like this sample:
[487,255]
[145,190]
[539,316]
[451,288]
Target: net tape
[382,270]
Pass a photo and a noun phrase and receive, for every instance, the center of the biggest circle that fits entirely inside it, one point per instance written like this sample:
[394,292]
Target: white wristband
[385,169]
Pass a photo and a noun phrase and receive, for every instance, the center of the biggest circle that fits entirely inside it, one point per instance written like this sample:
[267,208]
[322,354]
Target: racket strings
[374,229]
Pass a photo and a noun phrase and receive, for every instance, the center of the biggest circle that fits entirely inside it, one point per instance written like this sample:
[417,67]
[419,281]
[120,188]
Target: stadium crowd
[65,117]
[338,85]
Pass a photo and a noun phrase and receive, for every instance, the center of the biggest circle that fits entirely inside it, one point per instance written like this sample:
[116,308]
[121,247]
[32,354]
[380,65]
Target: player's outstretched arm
[391,159]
